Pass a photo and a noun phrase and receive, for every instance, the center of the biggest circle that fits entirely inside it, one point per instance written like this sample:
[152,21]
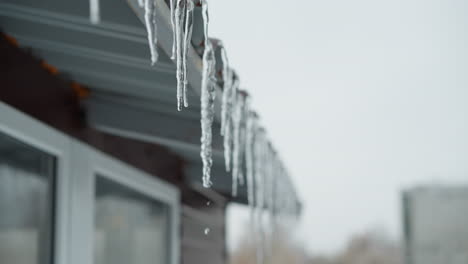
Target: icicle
[271,166]
[228,127]
[141,3]
[94,12]
[173,7]
[251,126]
[183,25]
[207,111]
[151,28]
[259,176]
[208,94]
[242,141]
[237,144]
[258,166]
[180,12]
[206,18]
[227,79]
[227,144]
[187,42]
[274,195]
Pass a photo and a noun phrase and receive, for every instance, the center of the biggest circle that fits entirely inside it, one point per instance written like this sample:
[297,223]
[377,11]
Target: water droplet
[208,203]
[207,230]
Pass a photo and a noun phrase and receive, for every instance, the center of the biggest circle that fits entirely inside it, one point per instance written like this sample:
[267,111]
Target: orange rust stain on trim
[80,91]
[11,40]
[51,69]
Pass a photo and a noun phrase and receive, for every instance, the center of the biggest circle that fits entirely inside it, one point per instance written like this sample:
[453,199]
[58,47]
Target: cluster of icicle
[271,198]
[252,159]
[150,22]
[249,155]
[182,12]
[182,26]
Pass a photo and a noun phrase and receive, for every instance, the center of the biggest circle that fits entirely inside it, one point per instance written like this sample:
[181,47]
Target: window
[129,226]
[26,203]
[63,202]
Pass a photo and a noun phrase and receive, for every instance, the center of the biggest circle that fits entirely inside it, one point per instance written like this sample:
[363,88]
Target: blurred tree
[371,247]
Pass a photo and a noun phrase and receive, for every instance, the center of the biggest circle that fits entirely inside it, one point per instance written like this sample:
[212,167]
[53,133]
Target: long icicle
[259,175]
[187,41]
[207,112]
[227,80]
[236,151]
[94,12]
[180,12]
[227,140]
[251,125]
[173,4]
[208,94]
[268,198]
[243,140]
[151,29]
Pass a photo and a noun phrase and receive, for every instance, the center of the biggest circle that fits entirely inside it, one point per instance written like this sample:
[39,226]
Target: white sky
[362,98]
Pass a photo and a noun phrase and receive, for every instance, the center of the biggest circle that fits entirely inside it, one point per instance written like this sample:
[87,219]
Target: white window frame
[77,168]
[89,164]
[32,132]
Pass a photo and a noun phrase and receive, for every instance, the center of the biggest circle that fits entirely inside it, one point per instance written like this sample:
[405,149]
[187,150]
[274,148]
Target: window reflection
[129,227]
[26,184]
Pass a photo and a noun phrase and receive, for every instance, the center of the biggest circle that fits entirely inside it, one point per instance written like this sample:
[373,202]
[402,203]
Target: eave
[129,97]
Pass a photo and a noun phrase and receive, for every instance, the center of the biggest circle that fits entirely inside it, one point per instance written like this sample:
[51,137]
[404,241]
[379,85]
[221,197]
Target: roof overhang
[129,97]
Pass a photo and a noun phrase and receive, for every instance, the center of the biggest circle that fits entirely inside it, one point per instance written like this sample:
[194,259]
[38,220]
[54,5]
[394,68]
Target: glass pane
[130,228]
[26,195]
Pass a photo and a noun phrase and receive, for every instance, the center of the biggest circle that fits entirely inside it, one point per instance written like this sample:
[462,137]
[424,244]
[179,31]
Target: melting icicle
[94,12]
[237,144]
[207,111]
[180,12]
[242,141]
[266,156]
[227,79]
[274,194]
[182,17]
[187,41]
[259,174]
[206,19]
[251,125]
[151,28]
[228,126]
[172,5]
[272,161]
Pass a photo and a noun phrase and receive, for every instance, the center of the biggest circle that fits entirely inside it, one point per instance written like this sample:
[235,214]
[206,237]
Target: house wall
[36,89]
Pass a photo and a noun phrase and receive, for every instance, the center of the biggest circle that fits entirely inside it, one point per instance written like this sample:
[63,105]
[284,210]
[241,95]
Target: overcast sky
[362,98]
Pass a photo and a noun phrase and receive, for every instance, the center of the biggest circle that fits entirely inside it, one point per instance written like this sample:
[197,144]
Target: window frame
[77,167]
[37,135]
[92,164]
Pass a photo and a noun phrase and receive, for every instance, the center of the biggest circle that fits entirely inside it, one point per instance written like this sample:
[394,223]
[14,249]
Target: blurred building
[435,221]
